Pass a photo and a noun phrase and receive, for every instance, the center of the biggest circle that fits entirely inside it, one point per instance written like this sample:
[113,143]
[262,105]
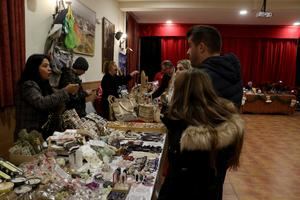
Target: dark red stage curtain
[174,49]
[12,51]
[265,60]
[234,31]
[267,53]
[133,43]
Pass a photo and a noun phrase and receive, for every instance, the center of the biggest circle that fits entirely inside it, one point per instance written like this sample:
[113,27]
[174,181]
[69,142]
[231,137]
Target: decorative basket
[146,112]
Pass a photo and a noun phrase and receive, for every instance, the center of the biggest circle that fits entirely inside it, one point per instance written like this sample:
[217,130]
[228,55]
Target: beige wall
[38,18]
[7,126]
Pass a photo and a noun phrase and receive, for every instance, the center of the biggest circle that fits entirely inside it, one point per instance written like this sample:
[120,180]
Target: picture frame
[85,28]
[108,39]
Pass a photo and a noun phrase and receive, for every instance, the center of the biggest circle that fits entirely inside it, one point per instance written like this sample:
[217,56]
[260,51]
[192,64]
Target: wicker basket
[146,112]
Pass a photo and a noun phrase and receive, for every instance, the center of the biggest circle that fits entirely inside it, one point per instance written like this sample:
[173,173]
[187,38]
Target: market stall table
[269,103]
[134,173]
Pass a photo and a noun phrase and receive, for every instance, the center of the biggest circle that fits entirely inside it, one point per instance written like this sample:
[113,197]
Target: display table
[268,103]
[132,172]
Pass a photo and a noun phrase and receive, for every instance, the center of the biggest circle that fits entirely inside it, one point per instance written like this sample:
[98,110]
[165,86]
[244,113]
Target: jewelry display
[108,166]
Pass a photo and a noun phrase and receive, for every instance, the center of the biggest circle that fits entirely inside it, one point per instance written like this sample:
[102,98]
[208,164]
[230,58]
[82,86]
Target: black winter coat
[163,86]
[76,101]
[190,174]
[110,85]
[33,107]
[225,74]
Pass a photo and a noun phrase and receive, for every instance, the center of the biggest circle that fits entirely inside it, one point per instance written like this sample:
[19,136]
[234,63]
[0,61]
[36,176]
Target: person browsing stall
[224,70]
[111,83]
[35,99]
[182,65]
[167,76]
[205,137]
[71,75]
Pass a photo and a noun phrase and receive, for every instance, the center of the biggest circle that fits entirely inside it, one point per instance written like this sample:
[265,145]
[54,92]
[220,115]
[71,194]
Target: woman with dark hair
[110,84]
[205,135]
[35,98]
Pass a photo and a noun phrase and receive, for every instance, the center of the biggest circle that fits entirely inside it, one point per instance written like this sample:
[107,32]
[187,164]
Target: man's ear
[202,47]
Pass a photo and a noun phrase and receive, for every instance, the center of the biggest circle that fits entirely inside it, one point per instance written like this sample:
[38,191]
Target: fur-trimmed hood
[199,138]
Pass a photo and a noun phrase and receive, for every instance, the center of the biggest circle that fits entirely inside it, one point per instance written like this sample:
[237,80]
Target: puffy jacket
[190,173]
[225,74]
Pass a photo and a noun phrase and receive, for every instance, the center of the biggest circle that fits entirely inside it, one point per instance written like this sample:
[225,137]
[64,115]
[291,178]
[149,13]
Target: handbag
[122,109]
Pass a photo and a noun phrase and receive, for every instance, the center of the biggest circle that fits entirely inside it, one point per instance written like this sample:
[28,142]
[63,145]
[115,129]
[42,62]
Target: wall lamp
[120,36]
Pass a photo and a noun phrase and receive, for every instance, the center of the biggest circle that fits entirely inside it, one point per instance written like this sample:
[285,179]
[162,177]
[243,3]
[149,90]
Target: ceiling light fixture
[263,13]
[297,23]
[243,12]
[169,22]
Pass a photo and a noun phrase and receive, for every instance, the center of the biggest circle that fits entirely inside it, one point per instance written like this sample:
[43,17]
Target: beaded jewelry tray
[137,126]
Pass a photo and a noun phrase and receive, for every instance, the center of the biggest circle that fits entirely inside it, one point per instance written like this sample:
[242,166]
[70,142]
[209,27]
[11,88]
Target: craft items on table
[137,126]
[27,147]
[72,120]
[6,187]
[14,177]
[65,143]
[122,109]
[93,124]
[18,181]
[9,169]
[77,166]
[137,106]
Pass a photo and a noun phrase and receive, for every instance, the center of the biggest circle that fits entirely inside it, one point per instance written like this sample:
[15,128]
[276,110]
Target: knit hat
[81,63]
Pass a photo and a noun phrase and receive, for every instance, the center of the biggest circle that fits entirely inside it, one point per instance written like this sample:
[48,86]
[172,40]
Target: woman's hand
[72,88]
[134,73]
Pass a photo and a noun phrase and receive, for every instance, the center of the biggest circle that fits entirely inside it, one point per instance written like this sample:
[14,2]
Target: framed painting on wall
[85,27]
[108,39]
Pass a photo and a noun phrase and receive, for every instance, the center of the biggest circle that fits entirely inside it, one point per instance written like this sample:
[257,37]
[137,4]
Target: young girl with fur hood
[205,137]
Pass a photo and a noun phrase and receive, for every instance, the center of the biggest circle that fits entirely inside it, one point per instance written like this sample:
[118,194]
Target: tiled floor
[270,160]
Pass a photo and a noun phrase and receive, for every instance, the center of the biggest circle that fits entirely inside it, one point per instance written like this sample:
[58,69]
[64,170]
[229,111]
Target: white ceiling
[285,12]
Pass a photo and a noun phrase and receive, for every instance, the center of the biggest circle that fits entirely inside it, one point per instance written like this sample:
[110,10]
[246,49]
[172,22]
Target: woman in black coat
[110,84]
[205,135]
[35,99]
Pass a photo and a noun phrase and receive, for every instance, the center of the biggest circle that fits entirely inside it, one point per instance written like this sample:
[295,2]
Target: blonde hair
[185,63]
[107,65]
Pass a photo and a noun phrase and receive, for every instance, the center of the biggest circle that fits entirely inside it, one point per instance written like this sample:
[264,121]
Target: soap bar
[18,181]
[4,176]
[6,187]
[9,168]
[23,189]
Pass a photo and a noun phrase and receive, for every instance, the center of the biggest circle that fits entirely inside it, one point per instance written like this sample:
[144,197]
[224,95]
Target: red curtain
[267,54]
[12,51]
[133,43]
[174,49]
[265,60]
[235,31]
